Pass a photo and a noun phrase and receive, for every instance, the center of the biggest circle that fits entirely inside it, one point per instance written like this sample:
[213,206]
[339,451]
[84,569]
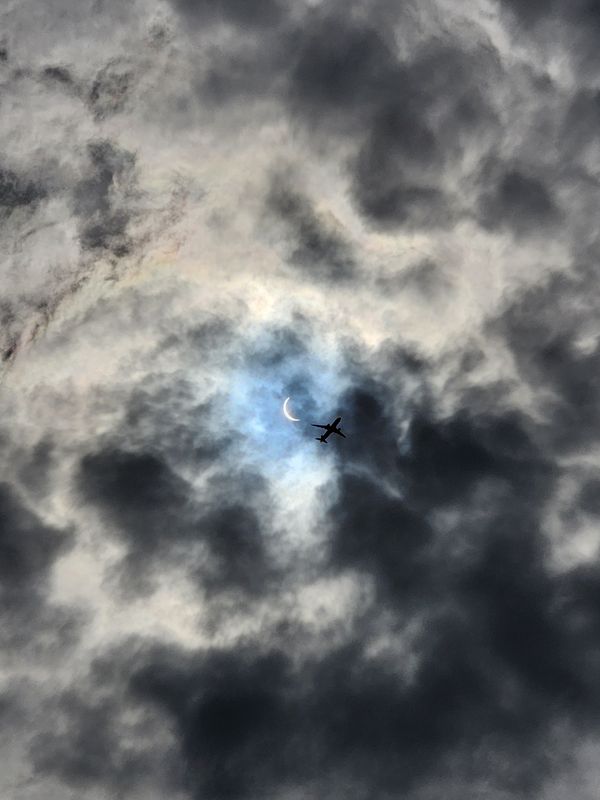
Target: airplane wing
[319,426]
[339,433]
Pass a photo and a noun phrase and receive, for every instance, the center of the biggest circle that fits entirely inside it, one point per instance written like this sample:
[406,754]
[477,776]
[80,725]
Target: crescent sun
[287,413]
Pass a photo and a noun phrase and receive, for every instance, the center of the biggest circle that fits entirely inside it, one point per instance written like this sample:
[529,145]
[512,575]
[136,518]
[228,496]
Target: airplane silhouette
[329,429]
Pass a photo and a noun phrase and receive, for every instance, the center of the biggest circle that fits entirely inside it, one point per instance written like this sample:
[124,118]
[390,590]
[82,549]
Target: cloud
[16,191]
[424,277]
[573,25]
[519,202]
[488,668]
[60,74]
[153,508]
[261,13]
[143,483]
[36,471]
[316,247]
[31,623]
[92,749]
[108,93]
[533,11]
[589,497]
[198,600]
[30,546]
[342,72]
[530,11]
[99,199]
[549,358]
[470,636]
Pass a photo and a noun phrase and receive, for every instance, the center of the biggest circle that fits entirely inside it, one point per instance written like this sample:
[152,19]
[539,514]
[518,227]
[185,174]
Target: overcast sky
[384,210]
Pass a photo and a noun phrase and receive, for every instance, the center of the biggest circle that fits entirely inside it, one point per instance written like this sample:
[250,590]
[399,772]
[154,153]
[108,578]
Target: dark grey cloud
[342,72]
[29,549]
[531,11]
[588,498]
[35,473]
[347,79]
[581,120]
[139,490]
[518,201]
[571,27]
[383,189]
[542,332]
[260,721]
[97,744]
[220,541]
[426,277]
[154,510]
[105,95]
[99,203]
[368,416]
[402,119]
[397,200]
[279,343]
[381,535]
[176,423]
[58,73]
[17,191]
[109,90]
[258,13]
[382,521]
[316,248]
[497,447]
[9,321]
[580,12]
[396,172]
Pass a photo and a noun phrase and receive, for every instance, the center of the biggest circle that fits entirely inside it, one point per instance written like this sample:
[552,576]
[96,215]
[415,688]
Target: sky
[382,210]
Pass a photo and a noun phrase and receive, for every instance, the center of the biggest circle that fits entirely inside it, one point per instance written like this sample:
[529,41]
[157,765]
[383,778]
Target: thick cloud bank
[385,211]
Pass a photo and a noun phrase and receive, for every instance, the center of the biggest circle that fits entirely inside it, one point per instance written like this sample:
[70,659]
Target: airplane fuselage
[329,428]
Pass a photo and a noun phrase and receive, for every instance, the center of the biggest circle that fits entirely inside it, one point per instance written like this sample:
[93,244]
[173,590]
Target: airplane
[329,429]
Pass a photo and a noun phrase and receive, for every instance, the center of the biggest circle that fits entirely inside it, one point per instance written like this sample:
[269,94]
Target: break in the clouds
[384,211]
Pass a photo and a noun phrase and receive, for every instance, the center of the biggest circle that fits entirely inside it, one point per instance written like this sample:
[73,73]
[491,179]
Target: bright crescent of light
[287,413]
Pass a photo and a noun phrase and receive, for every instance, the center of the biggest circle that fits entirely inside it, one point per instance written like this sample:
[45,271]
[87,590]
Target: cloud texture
[383,211]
